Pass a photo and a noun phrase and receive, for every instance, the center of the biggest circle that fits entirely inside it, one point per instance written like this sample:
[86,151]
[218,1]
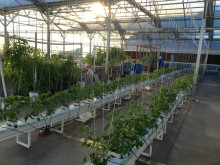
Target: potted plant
[11,107]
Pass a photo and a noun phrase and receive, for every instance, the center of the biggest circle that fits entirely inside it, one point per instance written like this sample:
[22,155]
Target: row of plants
[116,56]
[26,69]
[48,102]
[127,127]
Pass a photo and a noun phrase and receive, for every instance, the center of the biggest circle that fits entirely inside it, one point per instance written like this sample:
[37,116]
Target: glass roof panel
[216,34]
[12,3]
[217,23]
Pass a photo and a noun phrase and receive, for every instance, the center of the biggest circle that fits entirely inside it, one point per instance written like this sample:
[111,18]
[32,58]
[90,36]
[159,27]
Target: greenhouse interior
[110,82]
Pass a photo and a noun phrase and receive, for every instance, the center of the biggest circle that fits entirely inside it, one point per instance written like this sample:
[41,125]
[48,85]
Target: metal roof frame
[67,13]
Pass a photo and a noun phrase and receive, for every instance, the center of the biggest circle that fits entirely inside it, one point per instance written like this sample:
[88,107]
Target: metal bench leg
[61,129]
[176,110]
[150,151]
[118,103]
[108,107]
[22,143]
[165,128]
[170,119]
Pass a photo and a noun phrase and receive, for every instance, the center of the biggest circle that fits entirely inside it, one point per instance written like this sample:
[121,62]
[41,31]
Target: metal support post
[206,57]
[19,28]
[81,66]
[64,44]
[48,35]
[122,44]
[90,44]
[13,28]
[201,36]
[108,41]
[42,37]
[3,79]
[35,40]
[94,57]
[5,29]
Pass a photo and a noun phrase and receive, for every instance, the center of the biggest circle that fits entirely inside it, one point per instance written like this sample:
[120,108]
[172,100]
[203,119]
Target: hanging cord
[61,78]
[41,73]
[49,74]
[22,62]
[57,81]
[71,76]
[12,88]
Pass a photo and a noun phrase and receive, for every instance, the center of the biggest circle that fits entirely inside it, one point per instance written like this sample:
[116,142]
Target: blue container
[138,68]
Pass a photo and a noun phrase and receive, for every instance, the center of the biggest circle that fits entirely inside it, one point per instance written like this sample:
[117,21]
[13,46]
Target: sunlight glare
[96,11]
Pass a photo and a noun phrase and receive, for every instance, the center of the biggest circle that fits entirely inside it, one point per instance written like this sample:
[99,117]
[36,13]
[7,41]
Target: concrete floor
[194,137]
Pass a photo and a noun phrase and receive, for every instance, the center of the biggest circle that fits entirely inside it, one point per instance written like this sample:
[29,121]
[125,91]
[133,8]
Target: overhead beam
[137,5]
[82,24]
[119,28]
[41,5]
[50,4]
[210,18]
[146,30]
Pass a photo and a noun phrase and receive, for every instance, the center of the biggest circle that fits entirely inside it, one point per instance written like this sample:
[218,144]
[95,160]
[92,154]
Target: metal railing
[209,67]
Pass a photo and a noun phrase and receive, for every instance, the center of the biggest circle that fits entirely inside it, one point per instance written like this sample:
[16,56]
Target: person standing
[160,62]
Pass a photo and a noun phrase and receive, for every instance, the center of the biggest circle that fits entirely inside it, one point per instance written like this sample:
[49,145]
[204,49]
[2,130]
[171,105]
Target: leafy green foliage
[117,55]
[11,106]
[89,59]
[48,102]
[128,126]
[21,60]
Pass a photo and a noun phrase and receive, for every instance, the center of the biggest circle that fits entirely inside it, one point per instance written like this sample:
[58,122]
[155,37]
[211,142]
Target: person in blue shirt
[160,62]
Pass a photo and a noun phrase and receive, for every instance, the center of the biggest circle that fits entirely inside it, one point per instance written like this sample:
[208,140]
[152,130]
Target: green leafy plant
[21,62]
[127,127]
[37,106]
[117,55]
[11,107]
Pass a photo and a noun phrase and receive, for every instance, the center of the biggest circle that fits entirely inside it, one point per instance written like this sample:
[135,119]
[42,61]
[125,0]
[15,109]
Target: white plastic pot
[33,95]
[12,123]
